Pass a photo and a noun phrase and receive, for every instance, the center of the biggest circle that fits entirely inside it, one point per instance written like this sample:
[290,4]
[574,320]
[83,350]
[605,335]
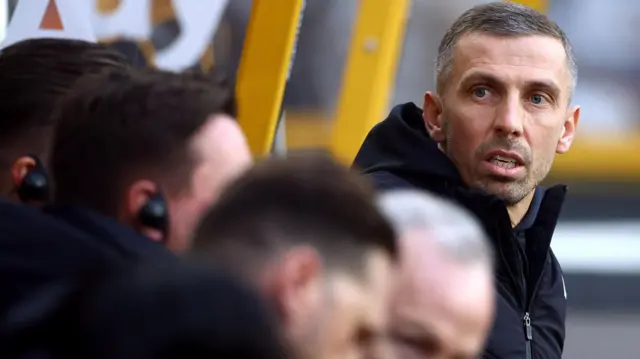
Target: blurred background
[598,238]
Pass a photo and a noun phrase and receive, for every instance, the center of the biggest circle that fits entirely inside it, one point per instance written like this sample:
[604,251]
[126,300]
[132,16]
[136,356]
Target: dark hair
[34,75]
[304,198]
[501,18]
[166,311]
[134,123]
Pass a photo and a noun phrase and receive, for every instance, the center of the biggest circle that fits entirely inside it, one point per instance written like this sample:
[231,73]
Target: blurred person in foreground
[139,156]
[169,311]
[307,233]
[443,301]
[36,250]
[486,138]
[34,75]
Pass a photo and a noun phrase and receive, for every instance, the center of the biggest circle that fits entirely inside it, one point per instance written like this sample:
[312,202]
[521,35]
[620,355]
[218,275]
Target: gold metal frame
[265,63]
[369,76]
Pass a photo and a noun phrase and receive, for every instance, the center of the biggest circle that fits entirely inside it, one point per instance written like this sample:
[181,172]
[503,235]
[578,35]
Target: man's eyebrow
[544,85]
[480,77]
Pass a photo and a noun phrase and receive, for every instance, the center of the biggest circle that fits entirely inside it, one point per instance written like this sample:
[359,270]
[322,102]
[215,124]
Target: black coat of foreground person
[36,252]
[156,311]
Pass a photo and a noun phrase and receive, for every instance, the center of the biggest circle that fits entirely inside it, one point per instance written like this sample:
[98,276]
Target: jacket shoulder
[383,181]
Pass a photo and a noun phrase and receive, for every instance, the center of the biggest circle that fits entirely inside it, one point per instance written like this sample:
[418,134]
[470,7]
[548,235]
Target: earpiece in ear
[155,214]
[35,187]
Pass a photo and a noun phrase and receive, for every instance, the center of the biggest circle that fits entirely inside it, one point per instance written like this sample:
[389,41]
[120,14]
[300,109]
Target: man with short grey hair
[486,138]
[443,301]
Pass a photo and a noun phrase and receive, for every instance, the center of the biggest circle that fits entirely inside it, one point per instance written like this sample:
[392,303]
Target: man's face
[348,319]
[439,309]
[223,152]
[504,112]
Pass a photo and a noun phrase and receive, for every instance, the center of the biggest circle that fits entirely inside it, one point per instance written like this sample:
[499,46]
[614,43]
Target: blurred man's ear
[20,168]
[29,182]
[295,284]
[139,194]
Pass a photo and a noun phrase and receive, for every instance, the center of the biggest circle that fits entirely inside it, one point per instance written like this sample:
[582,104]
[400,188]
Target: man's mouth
[504,162]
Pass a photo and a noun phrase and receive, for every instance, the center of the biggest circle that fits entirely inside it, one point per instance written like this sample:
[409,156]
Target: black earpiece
[155,214]
[35,186]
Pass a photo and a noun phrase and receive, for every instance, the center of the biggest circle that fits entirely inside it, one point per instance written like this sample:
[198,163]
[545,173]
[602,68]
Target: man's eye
[480,92]
[537,99]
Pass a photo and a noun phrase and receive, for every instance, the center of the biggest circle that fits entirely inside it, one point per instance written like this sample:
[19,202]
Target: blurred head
[505,76]
[125,138]
[443,298]
[306,231]
[173,312]
[34,75]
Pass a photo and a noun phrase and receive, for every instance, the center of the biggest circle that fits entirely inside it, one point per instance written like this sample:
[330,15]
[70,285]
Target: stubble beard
[513,192]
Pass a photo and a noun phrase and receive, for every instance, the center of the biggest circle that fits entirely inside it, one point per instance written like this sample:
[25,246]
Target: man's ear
[295,284]
[20,168]
[432,116]
[136,197]
[569,129]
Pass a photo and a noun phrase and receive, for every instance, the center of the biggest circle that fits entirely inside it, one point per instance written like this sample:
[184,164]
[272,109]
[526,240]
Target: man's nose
[509,120]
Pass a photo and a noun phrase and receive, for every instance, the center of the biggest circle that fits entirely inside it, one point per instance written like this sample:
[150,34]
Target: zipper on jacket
[528,330]
[528,334]
[526,300]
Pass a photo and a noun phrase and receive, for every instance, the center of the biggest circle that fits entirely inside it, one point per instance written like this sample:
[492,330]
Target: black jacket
[44,254]
[40,258]
[110,235]
[36,250]
[531,302]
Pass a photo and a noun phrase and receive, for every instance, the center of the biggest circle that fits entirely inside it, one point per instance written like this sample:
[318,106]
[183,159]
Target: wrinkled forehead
[512,60]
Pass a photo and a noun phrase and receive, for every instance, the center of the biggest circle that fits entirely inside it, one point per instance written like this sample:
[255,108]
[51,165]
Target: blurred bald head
[443,303]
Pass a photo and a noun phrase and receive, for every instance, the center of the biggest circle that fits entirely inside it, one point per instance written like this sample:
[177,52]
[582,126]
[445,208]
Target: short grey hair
[505,19]
[453,228]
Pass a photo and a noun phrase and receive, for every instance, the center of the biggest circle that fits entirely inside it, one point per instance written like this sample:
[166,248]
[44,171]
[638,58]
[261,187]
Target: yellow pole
[264,67]
[370,72]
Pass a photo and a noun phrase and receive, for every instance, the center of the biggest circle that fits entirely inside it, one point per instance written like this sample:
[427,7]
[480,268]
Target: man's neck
[519,210]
